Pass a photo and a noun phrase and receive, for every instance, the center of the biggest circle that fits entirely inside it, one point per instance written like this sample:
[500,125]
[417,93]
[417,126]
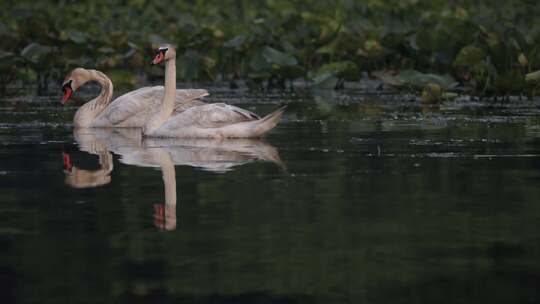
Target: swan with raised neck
[167,54]
[216,120]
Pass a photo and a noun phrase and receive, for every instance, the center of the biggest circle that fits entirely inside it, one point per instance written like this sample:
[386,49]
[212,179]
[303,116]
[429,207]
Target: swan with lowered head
[216,120]
[132,109]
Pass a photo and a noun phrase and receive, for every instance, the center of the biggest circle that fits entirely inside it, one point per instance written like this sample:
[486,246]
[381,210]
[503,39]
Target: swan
[130,110]
[216,120]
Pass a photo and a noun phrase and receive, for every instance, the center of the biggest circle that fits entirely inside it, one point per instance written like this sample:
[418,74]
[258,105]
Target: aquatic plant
[487,47]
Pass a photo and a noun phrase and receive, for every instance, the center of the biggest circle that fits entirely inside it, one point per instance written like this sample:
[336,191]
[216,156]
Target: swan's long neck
[90,110]
[167,106]
[170,88]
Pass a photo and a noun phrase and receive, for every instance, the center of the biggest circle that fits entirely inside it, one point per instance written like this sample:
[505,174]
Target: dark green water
[367,201]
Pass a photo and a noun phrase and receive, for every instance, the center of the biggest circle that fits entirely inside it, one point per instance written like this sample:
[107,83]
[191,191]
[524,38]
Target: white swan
[132,109]
[216,120]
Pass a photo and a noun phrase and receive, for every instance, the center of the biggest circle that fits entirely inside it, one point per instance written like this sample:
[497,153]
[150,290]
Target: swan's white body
[216,121]
[130,110]
[133,109]
[203,120]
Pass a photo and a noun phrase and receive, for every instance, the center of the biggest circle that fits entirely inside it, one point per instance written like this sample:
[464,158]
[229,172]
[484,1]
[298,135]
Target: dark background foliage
[488,46]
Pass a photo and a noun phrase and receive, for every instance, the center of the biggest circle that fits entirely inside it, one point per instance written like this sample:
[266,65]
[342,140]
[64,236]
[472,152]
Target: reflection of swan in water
[216,155]
[208,154]
[96,142]
[81,178]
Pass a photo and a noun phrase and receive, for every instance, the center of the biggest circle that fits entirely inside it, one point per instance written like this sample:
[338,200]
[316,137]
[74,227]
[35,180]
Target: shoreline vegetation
[437,49]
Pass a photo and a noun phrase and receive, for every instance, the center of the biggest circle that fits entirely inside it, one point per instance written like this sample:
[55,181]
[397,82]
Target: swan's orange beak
[159,58]
[68,91]
[67,95]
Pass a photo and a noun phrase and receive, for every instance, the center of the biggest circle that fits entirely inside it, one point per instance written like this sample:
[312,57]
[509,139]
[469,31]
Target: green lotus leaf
[533,77]
[432,93]
[325,81]
[512,81]
[469,56]
[236,42]
[35,52]
[8,60]
[259,63]
[77,37]
[276,57]
[342,69]
[416,80]
[106,50]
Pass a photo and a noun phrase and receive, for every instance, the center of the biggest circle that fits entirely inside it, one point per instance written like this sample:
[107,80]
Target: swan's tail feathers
[268,122]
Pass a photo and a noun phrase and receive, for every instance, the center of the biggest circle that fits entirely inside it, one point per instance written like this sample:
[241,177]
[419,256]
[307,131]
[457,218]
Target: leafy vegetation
[485,47]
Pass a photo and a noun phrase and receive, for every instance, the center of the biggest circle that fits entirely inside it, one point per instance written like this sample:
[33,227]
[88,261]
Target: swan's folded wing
[213,115]
[133,109]
[220,114]
[180,107]
[184,95]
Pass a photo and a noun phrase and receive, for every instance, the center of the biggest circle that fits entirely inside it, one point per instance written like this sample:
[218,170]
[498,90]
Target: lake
[353,198]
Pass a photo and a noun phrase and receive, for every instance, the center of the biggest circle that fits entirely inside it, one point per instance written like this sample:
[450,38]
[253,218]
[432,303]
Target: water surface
[352,199]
